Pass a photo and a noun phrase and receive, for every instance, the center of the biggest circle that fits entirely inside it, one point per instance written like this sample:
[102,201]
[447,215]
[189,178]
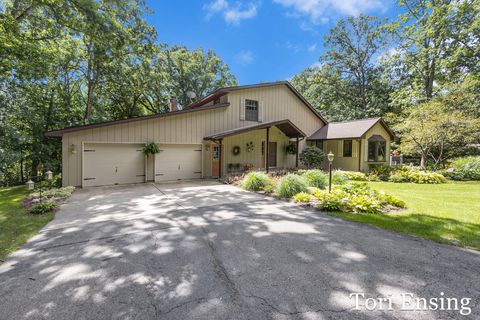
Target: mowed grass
[16,225]
[447,213]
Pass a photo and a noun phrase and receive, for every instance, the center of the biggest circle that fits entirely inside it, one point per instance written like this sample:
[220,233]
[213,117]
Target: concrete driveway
[208,251]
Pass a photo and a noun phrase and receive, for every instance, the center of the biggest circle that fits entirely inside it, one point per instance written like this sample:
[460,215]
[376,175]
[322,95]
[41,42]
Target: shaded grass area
[447,213]
[16,225]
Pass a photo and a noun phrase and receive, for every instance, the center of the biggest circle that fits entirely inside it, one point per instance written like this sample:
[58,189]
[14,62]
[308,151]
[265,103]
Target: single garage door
[176,162]
[112,163]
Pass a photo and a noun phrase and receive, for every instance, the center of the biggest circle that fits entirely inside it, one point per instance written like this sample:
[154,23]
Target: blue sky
[264,40]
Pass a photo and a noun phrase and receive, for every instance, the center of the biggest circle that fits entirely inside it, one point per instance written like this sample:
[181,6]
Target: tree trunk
[423,159]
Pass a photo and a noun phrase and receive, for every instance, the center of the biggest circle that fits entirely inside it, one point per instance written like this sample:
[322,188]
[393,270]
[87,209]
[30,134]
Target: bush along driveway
[443,212]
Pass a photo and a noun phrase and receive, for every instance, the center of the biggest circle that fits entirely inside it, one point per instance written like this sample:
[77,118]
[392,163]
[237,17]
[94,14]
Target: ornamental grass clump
[255,181]
[316,178]
[290,185]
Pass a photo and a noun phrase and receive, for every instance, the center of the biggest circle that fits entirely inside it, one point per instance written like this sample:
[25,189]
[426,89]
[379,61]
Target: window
[347,148]
[216,153]
[377,149]
[319,144]
[251,110]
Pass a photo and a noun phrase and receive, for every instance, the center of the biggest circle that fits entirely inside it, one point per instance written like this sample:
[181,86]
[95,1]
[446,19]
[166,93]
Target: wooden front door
[216,159]
[272,154]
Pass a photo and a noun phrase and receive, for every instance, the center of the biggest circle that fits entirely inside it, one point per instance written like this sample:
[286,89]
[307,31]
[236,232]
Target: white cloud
[295,48]
[312,47]
[319,11]
[244,57]
[232,13]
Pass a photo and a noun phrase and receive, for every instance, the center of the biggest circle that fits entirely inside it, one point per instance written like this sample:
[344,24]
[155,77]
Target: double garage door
[119,163]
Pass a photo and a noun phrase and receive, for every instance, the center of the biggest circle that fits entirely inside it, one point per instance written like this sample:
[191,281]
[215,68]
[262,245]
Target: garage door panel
[107,164]
[177,162]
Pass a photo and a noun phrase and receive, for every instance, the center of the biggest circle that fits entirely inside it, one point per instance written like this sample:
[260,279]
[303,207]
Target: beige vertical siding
[377,129]
[279,103]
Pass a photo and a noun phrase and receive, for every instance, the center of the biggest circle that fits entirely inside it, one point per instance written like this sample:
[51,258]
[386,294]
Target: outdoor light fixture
[49,175]
[330,157]
[30,185]
[73,149]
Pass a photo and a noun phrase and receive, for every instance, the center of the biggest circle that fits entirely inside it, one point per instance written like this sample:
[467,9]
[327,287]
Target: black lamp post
[330,157]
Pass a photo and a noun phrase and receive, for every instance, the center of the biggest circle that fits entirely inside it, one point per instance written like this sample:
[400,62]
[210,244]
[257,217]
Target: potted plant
[291,148]
[151,149]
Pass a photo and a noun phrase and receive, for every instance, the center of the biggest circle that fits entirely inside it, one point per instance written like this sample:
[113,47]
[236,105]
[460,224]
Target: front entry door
[272,154]
[216,159]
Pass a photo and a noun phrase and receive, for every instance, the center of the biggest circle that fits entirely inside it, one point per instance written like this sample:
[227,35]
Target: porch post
[267,142]
[220,158]
[296,156]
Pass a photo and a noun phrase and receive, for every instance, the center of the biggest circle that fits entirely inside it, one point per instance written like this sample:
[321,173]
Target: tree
[198,71]
[435,131]
[349,84]
[312,157]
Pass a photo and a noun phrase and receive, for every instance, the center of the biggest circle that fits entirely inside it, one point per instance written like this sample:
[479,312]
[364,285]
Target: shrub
[312,157]
[397,178]
[354,197]
[462,175]
[391,200]
[353,175]
[316,178]
[43,207]
[363,204]
[290,185]
[64,192]
[418,176]
[356,188]
[255,181]
[382,171]
[302,197]
[466,163]
[330,201]
[339,178]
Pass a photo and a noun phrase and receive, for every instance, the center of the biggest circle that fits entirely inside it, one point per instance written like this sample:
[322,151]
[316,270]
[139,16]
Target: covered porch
[260,147]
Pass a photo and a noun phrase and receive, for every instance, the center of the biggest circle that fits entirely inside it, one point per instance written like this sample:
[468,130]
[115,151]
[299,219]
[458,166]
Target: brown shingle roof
[348,129]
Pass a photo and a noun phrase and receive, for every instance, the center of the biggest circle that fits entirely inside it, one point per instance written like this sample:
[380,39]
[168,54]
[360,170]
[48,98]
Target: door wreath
[236,150]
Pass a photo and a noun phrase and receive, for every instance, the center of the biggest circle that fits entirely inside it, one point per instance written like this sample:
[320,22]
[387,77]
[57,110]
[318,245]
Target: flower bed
[309,188]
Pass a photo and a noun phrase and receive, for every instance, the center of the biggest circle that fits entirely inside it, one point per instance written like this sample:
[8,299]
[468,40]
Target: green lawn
[448,213]
[16,226]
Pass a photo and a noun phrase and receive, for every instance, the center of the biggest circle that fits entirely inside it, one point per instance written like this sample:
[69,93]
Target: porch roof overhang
[286,126]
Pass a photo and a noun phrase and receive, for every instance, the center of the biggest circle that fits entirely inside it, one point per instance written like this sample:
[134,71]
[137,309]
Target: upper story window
[251,110]
[377,148]
[347,148]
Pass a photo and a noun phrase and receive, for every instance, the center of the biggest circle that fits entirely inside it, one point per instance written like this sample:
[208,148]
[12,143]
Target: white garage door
[176,162]
[115,163]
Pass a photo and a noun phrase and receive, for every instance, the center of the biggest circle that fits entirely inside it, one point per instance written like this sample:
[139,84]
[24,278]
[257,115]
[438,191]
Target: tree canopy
[65,63]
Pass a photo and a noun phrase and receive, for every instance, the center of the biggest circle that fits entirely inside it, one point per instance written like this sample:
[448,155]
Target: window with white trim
[251,110]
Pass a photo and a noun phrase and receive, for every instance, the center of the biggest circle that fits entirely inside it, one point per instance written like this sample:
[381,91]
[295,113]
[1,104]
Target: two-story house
[232,129]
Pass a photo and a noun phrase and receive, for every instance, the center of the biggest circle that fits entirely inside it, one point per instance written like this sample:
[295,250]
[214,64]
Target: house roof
[349,129]
[197,106]
[61,132]
[286,126]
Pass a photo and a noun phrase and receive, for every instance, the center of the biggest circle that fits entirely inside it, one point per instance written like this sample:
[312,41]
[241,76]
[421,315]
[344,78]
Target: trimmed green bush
[302,197]
[255,181]
[290,185]
[316,178]
[44,207]
[312,157]
[462,175]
